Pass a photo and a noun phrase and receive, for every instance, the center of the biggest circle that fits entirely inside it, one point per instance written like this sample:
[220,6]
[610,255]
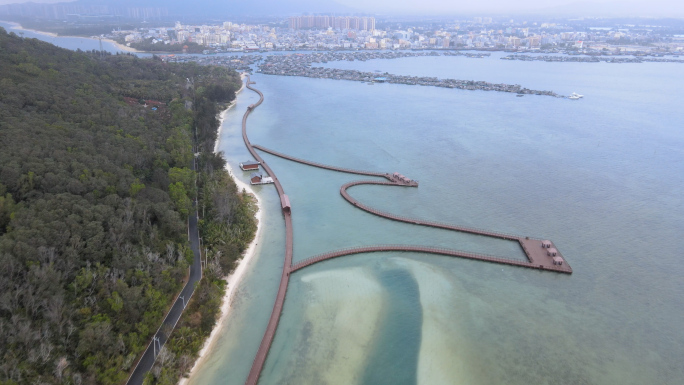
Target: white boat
[576,95]
[573,97]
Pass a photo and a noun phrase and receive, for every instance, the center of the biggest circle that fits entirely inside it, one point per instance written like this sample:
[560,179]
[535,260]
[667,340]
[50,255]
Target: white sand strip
[236,276]
[341,318]
[124,48]
[52,34]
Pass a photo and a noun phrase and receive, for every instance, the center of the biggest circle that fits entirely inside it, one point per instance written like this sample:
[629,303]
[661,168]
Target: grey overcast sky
[636,7]
[646,8]
[31,1]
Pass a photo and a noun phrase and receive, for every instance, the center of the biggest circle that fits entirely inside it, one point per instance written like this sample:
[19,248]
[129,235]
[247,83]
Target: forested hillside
[95,189]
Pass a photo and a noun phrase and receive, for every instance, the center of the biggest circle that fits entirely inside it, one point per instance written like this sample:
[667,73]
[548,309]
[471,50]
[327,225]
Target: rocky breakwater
[591,59]
[302,65]
[240,63]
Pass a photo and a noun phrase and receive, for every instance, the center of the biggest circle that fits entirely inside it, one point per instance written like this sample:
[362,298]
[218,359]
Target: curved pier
[417,249]
[320,165]
[266,341]
[538,252]
[348,198]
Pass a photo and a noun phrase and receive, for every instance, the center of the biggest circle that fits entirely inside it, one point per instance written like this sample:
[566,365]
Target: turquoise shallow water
[603,177]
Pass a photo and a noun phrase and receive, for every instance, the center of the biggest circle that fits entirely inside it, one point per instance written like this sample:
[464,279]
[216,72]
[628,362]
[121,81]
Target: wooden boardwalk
[266,341]
[320,165]
[537,257]
[408,248]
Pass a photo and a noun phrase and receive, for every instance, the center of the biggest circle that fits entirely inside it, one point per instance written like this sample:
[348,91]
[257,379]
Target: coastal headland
[123,48]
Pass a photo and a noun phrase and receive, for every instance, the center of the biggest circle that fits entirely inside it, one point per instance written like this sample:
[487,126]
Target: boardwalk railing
[409,248]
[320,165]
[472,230]
[264,347]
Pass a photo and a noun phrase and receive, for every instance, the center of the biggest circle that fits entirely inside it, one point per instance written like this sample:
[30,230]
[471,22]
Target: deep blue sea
[603,177]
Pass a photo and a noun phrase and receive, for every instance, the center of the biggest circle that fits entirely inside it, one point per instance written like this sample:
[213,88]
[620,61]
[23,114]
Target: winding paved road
[159,339]
[537,257]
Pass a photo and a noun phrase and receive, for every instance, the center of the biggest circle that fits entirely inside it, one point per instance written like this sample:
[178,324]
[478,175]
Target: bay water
[69,42]
[603,177]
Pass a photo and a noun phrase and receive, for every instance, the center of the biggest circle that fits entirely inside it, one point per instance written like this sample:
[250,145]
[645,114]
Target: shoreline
[122,47]
[119,45]
[235,277]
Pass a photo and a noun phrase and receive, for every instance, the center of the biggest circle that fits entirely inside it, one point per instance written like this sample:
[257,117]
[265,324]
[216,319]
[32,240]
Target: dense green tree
[93,240]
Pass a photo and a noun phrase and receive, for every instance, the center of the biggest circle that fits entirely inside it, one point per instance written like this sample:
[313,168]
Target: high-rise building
[295,23]
[337,22]
[341,23]
[322,22]
[535,41]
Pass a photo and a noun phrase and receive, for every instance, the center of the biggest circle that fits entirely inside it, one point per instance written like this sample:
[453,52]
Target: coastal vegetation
[149,45]
[227,226]
[95,190]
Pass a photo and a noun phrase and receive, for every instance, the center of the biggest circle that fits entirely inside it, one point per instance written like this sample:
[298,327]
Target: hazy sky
[647,8]
[31,1]
[644,7]
[453,6]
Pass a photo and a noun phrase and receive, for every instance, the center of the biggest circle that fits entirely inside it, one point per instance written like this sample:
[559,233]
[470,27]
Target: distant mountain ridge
[159,9]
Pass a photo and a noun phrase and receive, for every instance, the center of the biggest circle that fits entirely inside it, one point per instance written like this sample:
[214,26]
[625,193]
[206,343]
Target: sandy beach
[51,34]
[123,47]
[236,276]
[19,27]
